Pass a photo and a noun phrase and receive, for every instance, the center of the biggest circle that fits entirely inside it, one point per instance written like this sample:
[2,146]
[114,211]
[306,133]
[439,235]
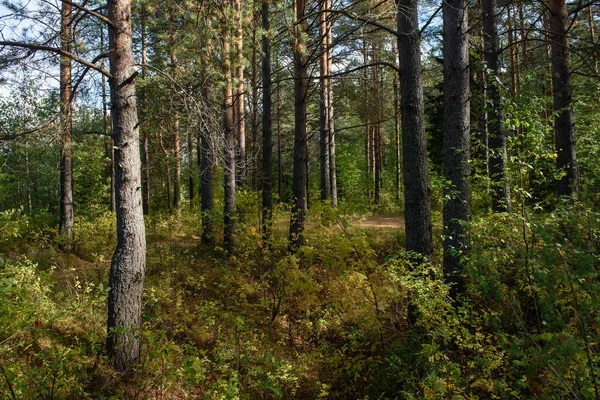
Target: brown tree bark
[330,112]
[145,154]
[397,149]
[267,125]
[495,116]
[128,265]
[300,175]
[254,81]
[417,193]
[239,107]
[279,161]
[324,125]
[176,141]
[562,88]
[229,154]
[67,215]
[457,110]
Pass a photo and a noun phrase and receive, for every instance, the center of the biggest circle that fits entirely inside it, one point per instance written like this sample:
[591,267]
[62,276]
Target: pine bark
[417,192]
[240,110]
[267,125]
[229,153]
[176,141]
[397,149]
[457,109]
[300,175]
[562,88]
[324,133]
[127,270]
[145,153]
[495,116]
[207,178]
[67,215]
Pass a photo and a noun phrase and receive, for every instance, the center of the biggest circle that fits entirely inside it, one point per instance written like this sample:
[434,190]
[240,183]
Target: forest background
[308,199]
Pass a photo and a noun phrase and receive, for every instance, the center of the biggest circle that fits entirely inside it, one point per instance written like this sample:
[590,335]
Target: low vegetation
[349,316]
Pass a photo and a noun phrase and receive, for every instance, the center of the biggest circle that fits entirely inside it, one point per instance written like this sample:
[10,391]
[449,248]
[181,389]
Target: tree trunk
[299,193]
[108,140]
[67,217]
[279,161]
[240,110]
[324,134]
[267,140]
[457,108]
[397,149]
[330,109]
[495,115]
[127,270]
[229,163]
[564,124]
[176,140]
[145,154]
[417,193]
[207,177]
[254,153]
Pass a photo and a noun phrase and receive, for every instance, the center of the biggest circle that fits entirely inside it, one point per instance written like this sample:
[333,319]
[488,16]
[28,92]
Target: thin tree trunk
[396,83]
[67,216]
[145,154]
[254,156]
[324,135]
[108,141]
[229,153]
[564,124]
[240,111]
[127,270]
[495,115]
[207,176]
[279,161]
[267,140]
[167,159]
[457,110]
[299,201]
[330,111]
[176,142]
[377,126]
[417,193]
[591,25]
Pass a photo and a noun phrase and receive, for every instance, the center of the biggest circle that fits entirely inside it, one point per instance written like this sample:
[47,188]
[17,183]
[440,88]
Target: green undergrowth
[348,317]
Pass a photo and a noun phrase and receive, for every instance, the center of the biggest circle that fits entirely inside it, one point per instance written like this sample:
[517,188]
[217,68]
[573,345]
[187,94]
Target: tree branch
[35,47]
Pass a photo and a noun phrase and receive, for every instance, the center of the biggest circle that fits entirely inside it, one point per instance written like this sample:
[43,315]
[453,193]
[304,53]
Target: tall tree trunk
[324,135]
[240,110]
[564,123]
[176,141]
[128,266]
[161,129]
[299,193]
[495,115]
[377,103]
[229,163]
[330,110]
[67,217]
[254,153]
[279,161]
[207,175]
[396,83]
[108,141]
[145,154]
[417,193]
[267,140]
[456,140]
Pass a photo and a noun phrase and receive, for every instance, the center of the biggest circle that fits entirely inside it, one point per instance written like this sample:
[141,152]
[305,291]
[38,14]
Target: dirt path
[379,222]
